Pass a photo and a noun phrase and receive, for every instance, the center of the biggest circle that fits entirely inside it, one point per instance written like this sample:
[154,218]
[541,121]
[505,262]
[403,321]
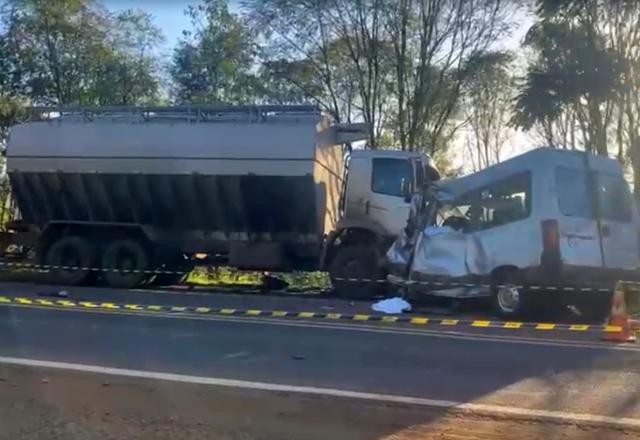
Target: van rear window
[573,193]
[575,198]
[614,198]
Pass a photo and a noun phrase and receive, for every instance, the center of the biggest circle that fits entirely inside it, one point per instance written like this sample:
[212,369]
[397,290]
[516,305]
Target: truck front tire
[70,259]
[125,264]
[355,272]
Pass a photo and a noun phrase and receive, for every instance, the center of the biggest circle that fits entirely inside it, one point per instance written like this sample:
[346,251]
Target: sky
[167,14]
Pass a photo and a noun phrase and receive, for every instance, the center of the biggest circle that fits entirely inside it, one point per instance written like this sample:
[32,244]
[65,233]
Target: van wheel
[510,300]
[71,257]
[351,264]
[125,263]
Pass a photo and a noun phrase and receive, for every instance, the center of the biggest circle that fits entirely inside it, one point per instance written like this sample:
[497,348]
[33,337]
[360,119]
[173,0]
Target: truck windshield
[389,174]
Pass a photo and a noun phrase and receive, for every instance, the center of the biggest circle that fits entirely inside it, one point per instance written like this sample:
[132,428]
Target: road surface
[189,376]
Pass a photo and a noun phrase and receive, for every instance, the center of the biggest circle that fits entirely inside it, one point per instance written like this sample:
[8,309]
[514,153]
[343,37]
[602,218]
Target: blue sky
[168,15]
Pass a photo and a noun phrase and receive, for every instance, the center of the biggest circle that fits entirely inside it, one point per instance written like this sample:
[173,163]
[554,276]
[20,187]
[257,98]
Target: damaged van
[547,217]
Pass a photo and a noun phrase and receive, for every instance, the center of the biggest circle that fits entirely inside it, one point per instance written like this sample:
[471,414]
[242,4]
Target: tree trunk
[634,154]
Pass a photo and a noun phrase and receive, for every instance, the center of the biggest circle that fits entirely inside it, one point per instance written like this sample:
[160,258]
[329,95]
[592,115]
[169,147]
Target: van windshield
[575,199]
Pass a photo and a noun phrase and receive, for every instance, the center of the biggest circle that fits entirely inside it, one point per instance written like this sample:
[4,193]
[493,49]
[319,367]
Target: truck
[132,195]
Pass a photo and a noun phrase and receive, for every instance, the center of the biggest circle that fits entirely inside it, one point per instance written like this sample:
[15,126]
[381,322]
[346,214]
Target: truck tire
[125,263]
[353,271]
[71,257]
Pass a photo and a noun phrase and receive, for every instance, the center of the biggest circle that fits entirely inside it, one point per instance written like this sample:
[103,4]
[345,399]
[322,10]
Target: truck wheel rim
[508,299]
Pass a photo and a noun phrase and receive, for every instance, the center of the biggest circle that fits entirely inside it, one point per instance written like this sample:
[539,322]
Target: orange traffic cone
[619,319]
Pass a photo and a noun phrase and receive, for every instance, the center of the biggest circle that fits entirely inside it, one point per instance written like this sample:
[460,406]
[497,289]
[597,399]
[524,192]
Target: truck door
[618,228]
[387,205]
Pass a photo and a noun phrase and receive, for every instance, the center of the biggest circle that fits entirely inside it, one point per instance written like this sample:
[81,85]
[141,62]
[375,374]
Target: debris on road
[392,306]
[59,294]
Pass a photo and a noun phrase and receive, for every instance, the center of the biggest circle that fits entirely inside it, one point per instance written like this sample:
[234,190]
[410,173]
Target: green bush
[206,276]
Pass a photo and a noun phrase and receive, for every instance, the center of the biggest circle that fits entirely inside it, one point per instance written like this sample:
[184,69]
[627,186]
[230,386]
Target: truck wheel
[351,264]
[125,263]
[71,257]
[510,300]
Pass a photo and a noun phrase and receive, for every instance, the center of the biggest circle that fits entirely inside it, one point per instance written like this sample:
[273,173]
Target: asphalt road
[552,371]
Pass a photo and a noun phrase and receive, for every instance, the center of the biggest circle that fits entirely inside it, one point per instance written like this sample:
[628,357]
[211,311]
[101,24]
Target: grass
[206,276]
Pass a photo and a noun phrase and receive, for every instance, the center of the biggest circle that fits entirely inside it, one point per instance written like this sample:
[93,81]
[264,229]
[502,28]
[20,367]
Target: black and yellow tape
[358,317]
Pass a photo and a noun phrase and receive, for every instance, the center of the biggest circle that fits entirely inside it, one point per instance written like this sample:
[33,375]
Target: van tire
[349,265]
[122,256]
[510,300]
[71,250]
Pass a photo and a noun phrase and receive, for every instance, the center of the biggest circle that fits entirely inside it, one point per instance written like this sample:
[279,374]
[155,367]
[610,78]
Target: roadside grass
[206,276]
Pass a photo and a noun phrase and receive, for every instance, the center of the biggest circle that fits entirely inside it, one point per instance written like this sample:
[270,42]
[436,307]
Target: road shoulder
[42,403]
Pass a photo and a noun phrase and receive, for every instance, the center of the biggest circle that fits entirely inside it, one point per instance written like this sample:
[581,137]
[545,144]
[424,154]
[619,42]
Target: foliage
[435,43]
[206,276]
[397,65]
[574,70]
[76,52]
[487,100]
[213,65]
[583,87]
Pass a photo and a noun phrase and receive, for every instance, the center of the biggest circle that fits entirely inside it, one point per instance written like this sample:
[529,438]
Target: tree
[214,64]
[70,52]
[574,72]
[129,72]
[302,33]
[287,82]
[487,101]
[434,42]
[620,27]
[405,59]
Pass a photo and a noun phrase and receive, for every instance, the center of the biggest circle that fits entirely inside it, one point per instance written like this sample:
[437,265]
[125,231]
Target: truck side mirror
[406,190]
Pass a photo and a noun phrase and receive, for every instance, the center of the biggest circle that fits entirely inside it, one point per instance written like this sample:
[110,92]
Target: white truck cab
[375,206]
[377,185]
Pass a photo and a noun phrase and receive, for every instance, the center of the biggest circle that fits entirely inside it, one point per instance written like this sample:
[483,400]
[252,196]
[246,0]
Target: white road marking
[359,327]
[237,354]
[478,408]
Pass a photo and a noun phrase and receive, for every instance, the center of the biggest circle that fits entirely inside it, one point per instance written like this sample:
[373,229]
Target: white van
[549,216]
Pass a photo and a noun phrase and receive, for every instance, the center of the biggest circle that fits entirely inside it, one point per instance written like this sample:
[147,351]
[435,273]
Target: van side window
[503,202]
[574,196]
[388,175]
[572,186]
[614,198]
